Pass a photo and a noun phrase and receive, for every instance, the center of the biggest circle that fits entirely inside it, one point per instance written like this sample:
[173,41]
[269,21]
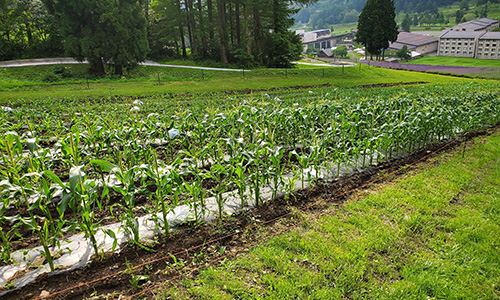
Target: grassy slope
[145,82]
[430,235]
[456,61]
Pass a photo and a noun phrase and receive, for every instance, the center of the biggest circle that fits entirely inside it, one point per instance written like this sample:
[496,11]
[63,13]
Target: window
[470,53]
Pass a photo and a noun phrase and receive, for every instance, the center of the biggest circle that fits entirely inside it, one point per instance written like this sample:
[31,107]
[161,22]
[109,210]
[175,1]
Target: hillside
[422,13]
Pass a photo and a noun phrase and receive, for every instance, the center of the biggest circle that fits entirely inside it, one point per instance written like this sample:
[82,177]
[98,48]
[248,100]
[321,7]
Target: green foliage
[428,235]
[404,53]
[172,152]
[284,48]
[57,73]
[405,24]
[377,26]
[340,51]
[106,32]
[27,30]
[246,33]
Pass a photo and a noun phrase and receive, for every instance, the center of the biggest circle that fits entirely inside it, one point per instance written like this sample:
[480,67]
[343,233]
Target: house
[420,43]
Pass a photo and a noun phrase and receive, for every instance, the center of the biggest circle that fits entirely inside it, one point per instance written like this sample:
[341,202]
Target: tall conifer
[377,26]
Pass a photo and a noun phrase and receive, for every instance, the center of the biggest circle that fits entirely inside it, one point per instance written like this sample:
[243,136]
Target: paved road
[67,60]
[337,65]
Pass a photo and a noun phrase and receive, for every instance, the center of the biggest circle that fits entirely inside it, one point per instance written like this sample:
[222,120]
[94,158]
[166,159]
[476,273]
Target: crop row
[66,162]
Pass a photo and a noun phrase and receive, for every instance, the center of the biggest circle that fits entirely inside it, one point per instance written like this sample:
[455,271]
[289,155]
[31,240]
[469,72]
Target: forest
[244,32]
[327,12]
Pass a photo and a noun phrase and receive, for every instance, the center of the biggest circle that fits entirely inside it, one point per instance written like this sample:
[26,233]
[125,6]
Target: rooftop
[399,46]
[415,39]
[491,36]
[475,25]
[461,34]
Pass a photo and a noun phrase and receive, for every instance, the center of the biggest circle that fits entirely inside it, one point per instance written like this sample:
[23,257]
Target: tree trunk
[238,25]
[202,29]
[258,35]
[96,64]
[29,34]
[119,70]
[247,30]
[183,39]
[181,29]
[231,22]
[222,32]
[210,19]
[191,27]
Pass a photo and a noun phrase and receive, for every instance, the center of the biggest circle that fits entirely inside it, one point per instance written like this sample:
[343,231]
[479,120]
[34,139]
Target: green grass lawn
[456,61]
[27,83]
[432,234]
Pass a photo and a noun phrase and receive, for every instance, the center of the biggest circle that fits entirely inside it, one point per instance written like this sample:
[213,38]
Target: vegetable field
[73,167]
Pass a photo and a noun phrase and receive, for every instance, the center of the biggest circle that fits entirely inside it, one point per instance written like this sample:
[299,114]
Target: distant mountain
[327,12]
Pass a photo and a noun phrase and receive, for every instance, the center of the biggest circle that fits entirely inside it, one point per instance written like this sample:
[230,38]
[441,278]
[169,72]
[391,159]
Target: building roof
[326,38]
[491,36]
[414,39]
[460,34]
[399,46]
[327,52]
[475,25]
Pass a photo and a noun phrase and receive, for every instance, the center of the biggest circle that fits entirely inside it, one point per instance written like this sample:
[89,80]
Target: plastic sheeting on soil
[76,251]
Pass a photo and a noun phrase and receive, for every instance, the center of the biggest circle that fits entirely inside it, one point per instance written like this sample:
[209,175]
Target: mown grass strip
[456,61]
[428,235]
[22,84]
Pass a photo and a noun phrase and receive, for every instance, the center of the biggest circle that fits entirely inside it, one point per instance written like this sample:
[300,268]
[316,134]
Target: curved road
[67,60]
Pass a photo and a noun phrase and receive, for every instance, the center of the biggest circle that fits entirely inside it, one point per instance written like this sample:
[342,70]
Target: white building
[471,39]
[312,36]
[459,43]
[489,46]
